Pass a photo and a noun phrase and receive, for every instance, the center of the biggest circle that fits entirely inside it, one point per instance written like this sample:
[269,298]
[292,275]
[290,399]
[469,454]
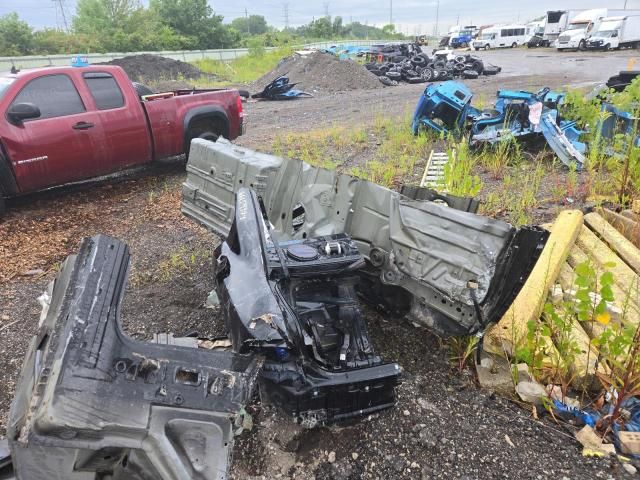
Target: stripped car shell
[450,270]
[93,403]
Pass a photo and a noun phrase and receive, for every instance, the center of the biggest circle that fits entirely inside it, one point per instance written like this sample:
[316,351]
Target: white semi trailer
[556,23]
[616,32]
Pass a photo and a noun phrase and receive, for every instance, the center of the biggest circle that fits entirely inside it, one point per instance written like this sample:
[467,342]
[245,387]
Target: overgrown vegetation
[245,69]
[386,152]
[611,343]
[129,26]
[613,164]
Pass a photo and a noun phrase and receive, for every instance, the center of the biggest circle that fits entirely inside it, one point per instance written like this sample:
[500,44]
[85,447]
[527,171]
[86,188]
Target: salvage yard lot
[443,425]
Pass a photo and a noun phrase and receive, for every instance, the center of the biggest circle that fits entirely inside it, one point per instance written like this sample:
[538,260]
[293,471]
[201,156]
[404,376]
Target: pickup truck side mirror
[22,111]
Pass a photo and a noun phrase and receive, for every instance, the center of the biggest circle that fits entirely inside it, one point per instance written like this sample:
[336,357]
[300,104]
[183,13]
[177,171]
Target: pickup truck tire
[207,129]
[582,46]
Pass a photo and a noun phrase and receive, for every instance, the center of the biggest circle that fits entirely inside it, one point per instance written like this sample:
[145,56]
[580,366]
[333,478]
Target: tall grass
[245,69]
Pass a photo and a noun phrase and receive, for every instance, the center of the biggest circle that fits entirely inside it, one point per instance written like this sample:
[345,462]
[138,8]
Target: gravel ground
[443,426]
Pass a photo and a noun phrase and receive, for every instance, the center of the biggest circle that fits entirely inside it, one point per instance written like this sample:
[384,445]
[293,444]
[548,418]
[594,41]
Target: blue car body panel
[443,108]
[447,108]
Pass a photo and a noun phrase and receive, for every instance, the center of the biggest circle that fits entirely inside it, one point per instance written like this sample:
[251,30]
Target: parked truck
[556,23]
[616,32]
[462,36]
[67,124]
[584,24]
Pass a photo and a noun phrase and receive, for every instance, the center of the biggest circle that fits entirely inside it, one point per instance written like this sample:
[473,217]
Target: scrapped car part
[464,204]
[618,122]
[93,403]
[281,89]
[447,108]
[450,270]
[622,80]
[304,316]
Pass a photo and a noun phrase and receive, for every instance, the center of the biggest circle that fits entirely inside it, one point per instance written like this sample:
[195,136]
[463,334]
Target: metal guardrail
[223,55]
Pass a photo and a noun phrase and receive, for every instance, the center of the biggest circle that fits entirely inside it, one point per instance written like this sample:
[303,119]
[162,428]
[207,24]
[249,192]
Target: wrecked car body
[93,403]
[295,303]
[447,108]
[444,108]
[452,271]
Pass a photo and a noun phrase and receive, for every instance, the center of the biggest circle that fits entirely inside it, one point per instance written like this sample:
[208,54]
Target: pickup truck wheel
[204,129]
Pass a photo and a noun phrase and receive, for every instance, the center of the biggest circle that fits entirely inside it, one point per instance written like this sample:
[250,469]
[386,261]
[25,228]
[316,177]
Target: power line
[285,7]
[61,14]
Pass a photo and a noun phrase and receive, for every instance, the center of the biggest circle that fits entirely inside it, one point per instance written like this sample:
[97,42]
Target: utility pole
[458,20]
[246,16]
[285,7]
[625,4]
[325,5]
[437,15]
[390,12]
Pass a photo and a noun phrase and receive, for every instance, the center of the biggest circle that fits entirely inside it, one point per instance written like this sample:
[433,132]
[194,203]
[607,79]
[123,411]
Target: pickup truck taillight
[239,105]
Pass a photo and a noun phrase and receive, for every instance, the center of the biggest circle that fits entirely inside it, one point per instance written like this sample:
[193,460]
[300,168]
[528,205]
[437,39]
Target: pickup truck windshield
[4,84]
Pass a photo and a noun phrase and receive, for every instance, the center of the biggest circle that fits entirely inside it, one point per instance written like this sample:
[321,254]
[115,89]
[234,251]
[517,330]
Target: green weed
[245,69]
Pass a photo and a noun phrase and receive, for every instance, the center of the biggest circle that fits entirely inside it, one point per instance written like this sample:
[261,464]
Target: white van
[501,36]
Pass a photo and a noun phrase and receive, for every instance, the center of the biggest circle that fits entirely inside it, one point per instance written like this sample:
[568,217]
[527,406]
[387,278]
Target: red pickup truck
[67,124]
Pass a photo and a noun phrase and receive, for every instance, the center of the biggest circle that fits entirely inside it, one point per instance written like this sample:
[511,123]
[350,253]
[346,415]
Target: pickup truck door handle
[83,126]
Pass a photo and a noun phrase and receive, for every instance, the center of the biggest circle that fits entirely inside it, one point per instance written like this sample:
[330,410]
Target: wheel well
[209,123]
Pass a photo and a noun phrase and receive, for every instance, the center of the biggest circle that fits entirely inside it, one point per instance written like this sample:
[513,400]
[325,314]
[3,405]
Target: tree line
[127,26]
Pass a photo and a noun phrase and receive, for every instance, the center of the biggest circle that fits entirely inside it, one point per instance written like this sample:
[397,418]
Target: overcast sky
[409,16]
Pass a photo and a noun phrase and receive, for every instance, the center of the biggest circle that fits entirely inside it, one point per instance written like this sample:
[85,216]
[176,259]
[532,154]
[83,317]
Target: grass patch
[245,69]
[385,152]
[517,196]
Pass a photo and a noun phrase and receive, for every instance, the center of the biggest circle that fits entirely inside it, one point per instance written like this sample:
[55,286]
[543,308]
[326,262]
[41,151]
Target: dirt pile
[147,67]
[321,73]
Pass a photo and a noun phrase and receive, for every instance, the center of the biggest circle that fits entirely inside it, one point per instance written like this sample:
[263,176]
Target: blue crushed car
[446,108]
